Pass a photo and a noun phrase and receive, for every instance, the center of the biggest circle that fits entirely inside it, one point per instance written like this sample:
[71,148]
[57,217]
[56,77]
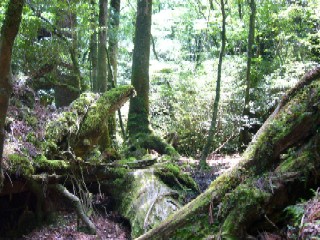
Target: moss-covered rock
[172,176]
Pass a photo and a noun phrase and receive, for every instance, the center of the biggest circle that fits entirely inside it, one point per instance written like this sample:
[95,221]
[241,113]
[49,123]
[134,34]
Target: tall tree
[93,48]
[208,145]
[244,133]
[9,32]
[102,53]
[138,119]
[114,17]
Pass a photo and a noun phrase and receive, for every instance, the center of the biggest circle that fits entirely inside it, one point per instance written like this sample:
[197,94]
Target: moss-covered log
[82,127]
[280,163]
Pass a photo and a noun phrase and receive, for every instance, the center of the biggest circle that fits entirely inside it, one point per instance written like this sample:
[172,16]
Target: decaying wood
[85,129]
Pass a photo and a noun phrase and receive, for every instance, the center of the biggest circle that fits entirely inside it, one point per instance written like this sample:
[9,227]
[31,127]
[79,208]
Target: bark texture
[9,32]
[277,168]
[138,119]
[102,54]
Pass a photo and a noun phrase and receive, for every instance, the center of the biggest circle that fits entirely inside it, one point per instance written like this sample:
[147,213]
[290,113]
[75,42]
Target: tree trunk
[114,16]
[244,133]
[208,145]
[94,59]
[138,119]
[277,168]
[102,54]
[9,31]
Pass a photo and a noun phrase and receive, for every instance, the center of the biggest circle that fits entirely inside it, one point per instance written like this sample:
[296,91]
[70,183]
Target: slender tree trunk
[138,120]
[114,16]
[9,32]
[244,133]
[93,49]
[208,145]
[240,9]
[102,54]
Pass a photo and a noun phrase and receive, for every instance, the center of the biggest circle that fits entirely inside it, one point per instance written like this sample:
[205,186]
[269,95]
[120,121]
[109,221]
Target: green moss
[299,160]
[238,206]
[171,175]
[98,111]
[141,143]
[43,163]
[199,228]
[66,124]
[20,165]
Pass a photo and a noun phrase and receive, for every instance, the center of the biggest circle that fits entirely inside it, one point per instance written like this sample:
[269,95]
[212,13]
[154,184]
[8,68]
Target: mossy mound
[172,176]
[142,143]
[20,165]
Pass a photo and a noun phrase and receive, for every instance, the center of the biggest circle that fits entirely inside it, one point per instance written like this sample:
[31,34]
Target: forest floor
[217,164]
[110,226]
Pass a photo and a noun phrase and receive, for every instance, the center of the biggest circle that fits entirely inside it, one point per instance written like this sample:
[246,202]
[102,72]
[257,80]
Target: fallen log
[234,202]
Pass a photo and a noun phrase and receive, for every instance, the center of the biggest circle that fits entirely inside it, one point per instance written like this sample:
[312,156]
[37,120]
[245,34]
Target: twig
[266,217]
[75,201]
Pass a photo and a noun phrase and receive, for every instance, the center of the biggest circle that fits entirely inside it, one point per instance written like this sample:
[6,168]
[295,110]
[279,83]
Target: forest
[150,119]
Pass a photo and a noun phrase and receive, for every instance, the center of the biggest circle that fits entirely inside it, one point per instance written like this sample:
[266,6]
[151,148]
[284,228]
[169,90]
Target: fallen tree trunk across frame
[248,192]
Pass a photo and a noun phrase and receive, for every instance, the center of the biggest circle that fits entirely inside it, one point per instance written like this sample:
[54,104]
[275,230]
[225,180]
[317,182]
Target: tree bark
[138,119]
[208,145]
[277,167]
[244,133]
[9,32]
[93,51]
[102,54]
[114,20]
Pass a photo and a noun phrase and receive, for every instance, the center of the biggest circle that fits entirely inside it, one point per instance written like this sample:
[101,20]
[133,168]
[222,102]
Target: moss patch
[171,175]
[141,143]
[20,165]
